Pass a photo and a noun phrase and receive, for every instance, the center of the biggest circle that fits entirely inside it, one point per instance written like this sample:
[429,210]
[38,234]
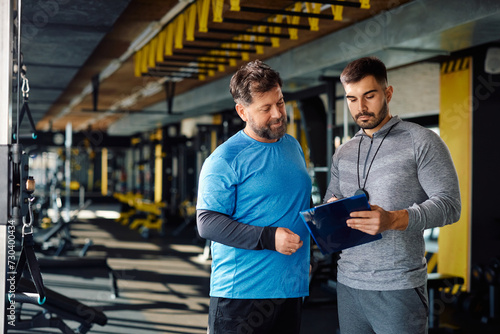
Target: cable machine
[16,205]
[6,70]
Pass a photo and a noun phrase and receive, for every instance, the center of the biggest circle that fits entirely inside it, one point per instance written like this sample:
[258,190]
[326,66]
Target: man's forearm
[220,228]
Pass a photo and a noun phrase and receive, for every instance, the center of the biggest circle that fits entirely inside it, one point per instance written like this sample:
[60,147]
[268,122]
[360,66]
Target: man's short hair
[253,78]
[358,69]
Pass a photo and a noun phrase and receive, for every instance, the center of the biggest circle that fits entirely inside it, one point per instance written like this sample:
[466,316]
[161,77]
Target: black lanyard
[362,190]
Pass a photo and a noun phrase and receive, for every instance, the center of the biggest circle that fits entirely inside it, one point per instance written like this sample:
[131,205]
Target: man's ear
[240,109]
[388,93]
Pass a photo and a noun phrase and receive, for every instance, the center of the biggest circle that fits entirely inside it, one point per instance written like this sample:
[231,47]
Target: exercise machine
[16,209]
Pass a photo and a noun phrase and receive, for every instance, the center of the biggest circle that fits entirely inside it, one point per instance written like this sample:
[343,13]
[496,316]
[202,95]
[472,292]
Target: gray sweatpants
[382,312]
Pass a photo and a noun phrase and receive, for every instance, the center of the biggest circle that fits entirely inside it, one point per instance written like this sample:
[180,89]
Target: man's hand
[378,220]
[287,242]
[332,199]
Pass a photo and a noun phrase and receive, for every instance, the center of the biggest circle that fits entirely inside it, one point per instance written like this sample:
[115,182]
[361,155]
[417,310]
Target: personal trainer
[408,175]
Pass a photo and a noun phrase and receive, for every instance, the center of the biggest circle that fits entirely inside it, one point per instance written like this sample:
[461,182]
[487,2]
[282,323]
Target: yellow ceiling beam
[144,59]
[153,45]
[160,51]
[337,12]
[190,22]
[235,5]
[169,39]
[184,25]
[276,30]
[217,9]
[259,49]
[179,31]
[137,63]
[314,8]
[293,32]
[203,8]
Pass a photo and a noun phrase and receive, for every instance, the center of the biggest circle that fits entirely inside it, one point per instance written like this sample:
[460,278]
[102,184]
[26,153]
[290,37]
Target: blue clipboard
[327,224]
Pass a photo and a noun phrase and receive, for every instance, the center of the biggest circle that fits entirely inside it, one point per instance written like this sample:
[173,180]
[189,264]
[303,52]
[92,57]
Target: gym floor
[163,282]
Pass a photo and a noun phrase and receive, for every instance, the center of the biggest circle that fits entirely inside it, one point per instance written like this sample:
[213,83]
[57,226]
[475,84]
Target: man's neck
[370,132]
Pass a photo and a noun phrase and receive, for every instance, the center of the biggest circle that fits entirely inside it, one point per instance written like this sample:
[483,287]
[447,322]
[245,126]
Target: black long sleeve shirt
[220,228]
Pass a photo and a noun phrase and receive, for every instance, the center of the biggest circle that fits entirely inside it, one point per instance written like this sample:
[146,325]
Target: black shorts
[254,316]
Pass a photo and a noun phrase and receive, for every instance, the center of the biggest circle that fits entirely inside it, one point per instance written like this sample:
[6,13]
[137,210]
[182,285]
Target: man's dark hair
[358,69]
[253,78]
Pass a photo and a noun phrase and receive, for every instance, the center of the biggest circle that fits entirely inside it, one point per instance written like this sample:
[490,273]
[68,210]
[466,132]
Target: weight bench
[57,308]
[128,201]
[62,229]
[153,219]
[435,282]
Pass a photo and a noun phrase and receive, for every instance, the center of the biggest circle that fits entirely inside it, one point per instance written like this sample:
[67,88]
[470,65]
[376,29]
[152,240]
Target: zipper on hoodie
[367,155]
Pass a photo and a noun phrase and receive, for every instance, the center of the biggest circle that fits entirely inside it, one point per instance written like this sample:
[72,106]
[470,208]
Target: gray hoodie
[412,170]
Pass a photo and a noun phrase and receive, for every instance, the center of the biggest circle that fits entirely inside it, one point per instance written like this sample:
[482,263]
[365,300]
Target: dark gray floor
[163,285]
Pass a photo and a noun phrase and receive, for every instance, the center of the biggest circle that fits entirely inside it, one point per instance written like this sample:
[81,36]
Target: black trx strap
[28,257]
[25,109]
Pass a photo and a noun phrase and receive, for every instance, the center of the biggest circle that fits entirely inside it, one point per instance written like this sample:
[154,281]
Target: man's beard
[374,123]
[266,131]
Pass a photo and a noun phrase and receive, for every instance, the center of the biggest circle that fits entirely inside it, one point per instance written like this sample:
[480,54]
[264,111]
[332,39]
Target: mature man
[408,175]
[251,190]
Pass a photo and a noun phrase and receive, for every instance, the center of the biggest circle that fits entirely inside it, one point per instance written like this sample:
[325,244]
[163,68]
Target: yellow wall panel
[455,129]
[104,172]
[158,173]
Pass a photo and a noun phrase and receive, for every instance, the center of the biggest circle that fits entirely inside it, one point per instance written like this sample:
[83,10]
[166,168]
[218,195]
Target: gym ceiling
[129,66]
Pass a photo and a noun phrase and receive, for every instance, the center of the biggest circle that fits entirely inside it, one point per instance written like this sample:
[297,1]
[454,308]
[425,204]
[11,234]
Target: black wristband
[268,238]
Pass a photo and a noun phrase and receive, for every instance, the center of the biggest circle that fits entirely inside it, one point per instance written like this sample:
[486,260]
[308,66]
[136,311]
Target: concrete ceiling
[65,44]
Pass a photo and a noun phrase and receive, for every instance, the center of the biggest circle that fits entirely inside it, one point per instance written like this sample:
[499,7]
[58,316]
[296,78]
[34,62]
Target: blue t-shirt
[261,184]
